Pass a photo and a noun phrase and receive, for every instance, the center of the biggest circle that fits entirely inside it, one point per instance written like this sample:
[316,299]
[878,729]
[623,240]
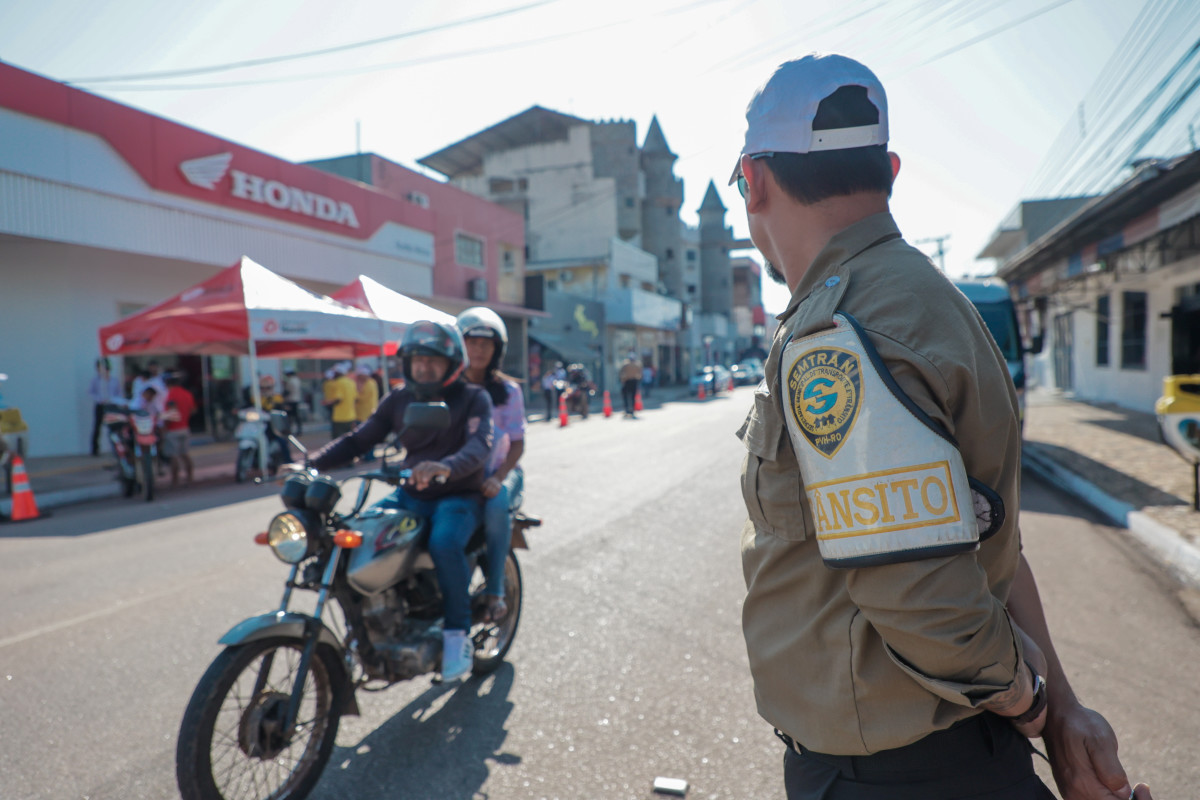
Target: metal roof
[535,125]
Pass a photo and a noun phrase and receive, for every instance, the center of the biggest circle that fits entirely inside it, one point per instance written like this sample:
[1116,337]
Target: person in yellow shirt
[368,394]
[340,395]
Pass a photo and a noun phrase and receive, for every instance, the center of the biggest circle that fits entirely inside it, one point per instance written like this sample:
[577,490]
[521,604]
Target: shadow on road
[430,749]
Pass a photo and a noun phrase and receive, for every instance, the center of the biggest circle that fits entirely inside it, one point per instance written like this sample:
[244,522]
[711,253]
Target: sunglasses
[741,178]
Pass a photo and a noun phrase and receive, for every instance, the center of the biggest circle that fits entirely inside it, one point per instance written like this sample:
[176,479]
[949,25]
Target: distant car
[714,379]
[747,373]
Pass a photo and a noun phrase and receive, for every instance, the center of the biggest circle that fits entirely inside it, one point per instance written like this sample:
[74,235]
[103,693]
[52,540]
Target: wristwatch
[1039,699]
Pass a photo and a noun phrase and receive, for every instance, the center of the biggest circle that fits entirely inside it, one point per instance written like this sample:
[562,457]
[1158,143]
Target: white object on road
[671,786]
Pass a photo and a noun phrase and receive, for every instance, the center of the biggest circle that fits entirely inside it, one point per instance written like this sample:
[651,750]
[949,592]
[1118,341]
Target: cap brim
[737,168]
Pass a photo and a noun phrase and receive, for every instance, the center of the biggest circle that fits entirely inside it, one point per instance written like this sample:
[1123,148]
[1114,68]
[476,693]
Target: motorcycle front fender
[285,624]
[291,625]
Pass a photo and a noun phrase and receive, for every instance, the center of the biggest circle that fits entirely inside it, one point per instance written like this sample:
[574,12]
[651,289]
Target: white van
[991,297]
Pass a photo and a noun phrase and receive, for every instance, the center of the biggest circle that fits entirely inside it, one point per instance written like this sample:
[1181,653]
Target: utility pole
[940,255]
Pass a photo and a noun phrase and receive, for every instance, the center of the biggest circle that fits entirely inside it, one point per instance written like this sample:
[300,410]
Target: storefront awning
[570,350]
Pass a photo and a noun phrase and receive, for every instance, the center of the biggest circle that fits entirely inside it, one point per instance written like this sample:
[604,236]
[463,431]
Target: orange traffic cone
[607,405]
[701,395]
[23,505]
[562,411]
[637,402]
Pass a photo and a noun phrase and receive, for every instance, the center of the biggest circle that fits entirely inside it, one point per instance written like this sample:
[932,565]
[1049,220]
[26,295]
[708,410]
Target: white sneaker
[458,654]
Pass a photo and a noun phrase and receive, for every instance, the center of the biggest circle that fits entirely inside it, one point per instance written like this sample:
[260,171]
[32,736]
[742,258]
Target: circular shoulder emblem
[825,392]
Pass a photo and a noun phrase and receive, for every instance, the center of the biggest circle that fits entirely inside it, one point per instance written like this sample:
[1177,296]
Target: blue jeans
[453,519]
[497,520]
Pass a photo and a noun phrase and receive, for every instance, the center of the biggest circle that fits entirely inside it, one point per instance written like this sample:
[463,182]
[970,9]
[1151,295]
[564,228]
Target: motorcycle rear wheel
[245,462]
[493,639]
[230,744]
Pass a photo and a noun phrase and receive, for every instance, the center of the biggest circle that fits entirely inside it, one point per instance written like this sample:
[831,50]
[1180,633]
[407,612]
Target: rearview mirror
[434,416]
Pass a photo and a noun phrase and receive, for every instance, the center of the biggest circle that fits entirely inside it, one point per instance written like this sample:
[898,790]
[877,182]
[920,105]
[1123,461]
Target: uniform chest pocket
[771,485]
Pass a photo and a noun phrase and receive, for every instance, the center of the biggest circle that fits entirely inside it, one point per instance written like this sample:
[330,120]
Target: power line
[258,62]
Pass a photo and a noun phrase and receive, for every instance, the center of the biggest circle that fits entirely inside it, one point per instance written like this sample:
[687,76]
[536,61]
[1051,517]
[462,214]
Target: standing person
[293,396]
[447,467]
[177,432]
[151,376]
[883,620]
[550,388]
[104,389]
[328,393]
[629,376]
[340,396]
[647,380]
[486,339]
[367,397]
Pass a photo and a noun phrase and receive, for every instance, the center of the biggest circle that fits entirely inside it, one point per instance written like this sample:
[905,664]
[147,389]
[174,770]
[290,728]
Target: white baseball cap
[780,115]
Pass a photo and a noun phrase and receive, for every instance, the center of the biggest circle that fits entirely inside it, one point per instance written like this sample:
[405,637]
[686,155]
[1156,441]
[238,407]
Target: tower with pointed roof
[660,209]
[716,290]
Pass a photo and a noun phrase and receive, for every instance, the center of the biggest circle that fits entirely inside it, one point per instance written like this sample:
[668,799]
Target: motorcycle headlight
[288,537]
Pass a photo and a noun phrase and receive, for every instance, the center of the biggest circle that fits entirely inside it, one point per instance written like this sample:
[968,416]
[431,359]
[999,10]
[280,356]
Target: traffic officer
[881,480]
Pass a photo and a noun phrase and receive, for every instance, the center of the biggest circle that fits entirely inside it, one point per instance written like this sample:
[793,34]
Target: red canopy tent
[247,310]
[397,311]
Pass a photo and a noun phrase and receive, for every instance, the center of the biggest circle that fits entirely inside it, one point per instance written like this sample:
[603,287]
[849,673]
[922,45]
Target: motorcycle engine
[409,647]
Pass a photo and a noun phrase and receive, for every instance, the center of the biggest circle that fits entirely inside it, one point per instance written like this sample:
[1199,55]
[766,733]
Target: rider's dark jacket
[463,446]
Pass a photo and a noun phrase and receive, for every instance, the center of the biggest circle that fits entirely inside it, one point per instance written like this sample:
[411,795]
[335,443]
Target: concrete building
[602,225]
[105,209]
[1113,283]
[479,246]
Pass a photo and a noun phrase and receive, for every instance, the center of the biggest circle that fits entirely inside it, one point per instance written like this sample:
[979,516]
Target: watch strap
[1039,699]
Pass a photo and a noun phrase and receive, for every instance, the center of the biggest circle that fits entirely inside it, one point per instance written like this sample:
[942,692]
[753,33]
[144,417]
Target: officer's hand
[490,488]
[428,471]
[1083,756]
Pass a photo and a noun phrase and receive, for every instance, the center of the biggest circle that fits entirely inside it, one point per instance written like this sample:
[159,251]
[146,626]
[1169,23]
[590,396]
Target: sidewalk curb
[1165,543]
[66,497]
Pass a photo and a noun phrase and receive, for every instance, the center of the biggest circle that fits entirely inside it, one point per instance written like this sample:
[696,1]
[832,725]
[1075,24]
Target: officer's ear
[895,159]
[756,175]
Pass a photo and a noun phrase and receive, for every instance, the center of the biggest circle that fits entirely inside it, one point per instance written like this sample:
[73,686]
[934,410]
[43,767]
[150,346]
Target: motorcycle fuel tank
[388,535]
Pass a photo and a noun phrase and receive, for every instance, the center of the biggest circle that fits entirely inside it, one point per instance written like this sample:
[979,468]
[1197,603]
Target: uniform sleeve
[370,433]
[942,621]
[474,453]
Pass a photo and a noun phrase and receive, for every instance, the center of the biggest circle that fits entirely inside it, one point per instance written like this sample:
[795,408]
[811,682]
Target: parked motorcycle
[263,719]
[133,435]
[251,430]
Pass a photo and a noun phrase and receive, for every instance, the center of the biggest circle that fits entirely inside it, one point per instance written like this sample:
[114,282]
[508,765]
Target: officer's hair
[812,177]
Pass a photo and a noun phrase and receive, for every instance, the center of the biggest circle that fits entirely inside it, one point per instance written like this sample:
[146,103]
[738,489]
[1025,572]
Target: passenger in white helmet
[486,339]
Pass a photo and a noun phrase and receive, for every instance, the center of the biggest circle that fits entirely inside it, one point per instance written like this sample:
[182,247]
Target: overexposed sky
[978,89]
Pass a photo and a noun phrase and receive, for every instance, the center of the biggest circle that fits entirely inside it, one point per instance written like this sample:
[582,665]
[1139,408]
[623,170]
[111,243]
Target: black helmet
[432,339]
[481,322]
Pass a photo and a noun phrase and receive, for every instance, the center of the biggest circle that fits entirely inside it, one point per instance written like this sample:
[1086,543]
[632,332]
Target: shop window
[508,259]
[1102,311]
[1133,330]
[468,250]
[500,185]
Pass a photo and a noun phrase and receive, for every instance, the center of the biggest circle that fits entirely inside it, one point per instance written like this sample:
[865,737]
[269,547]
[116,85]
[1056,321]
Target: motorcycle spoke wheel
[493,639]
[232,744]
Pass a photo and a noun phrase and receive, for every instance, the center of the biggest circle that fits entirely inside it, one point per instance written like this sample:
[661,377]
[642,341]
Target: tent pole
[256,396]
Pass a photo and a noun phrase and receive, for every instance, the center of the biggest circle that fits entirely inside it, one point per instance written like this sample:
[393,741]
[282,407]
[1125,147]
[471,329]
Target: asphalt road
[629,662]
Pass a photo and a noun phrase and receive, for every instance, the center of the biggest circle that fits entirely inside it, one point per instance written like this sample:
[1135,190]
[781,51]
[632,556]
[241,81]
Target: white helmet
[481,322]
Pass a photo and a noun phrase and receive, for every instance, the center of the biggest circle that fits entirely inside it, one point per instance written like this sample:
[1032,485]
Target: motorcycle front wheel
[232,744]
[493,639]
[148,473]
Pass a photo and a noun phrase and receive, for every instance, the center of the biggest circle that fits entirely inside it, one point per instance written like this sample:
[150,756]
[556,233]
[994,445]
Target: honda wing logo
[206,172]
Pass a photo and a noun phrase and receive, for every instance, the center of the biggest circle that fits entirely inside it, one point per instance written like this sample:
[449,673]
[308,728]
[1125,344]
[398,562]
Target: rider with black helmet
[434,358]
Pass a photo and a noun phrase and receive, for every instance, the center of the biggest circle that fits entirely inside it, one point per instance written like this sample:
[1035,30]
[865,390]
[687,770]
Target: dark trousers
[97,424]
[629,394]
[551,402]
[982,758]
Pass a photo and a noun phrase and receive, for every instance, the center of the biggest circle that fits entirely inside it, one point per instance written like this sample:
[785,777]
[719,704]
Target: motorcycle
[578,389]
[263,719]
[251,430]
[133,435]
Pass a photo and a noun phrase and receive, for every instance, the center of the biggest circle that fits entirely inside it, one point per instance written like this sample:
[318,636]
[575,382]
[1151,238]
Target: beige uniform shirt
[854,661]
